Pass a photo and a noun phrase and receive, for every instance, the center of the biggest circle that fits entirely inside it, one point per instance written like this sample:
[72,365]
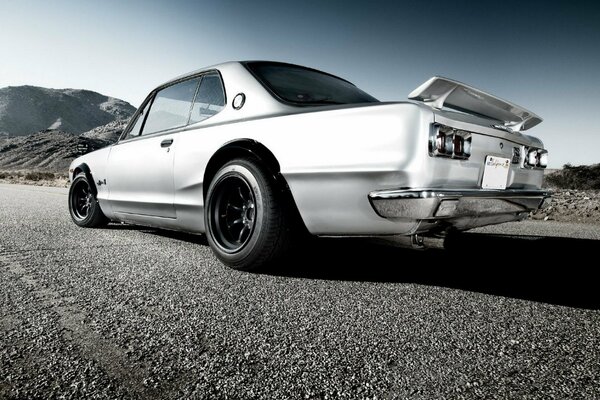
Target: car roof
[199,71]
[228,64]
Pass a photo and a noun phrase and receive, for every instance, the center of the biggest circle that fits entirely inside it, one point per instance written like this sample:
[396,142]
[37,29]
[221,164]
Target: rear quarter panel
[331,159]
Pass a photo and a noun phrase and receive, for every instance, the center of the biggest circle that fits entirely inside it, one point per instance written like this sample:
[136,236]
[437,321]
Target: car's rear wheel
[245,216]
[83,205]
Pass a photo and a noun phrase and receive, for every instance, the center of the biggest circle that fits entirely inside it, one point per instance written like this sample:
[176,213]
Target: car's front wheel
[245,216]
[83,205]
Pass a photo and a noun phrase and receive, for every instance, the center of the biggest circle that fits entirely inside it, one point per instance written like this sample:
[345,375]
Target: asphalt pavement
[132,312]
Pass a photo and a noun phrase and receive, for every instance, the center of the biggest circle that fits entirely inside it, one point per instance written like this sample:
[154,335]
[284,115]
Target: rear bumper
[461,208]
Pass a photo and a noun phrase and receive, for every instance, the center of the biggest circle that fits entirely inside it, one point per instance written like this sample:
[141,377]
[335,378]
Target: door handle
[166,143]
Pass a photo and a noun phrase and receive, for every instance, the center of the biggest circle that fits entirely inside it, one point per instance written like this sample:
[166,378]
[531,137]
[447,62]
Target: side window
[210,99]
[171,107]
[136,130]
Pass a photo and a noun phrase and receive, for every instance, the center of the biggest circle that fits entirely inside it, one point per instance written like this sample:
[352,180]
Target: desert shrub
[39,176]
[582,177]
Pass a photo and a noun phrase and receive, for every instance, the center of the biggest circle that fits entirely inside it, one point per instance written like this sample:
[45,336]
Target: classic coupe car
[251,152]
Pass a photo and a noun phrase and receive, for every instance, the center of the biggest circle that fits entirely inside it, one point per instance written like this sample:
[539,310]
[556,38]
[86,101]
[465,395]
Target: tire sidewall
[87,221]
[254,178]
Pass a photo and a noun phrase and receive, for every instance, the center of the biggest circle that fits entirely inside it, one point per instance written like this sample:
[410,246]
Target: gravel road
[129,312]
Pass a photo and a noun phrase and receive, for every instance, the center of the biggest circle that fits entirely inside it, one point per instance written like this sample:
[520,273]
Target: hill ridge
[27,109]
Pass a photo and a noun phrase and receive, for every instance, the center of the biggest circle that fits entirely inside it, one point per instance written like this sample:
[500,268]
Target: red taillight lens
[459,145]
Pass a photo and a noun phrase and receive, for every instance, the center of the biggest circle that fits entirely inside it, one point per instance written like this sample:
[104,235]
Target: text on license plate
[495,172]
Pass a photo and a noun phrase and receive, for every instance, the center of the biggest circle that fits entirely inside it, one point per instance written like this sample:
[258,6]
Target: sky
[544,56]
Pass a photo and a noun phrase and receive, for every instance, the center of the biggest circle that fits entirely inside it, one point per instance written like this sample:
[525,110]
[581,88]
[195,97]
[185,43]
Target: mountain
[53,150]
[28,109]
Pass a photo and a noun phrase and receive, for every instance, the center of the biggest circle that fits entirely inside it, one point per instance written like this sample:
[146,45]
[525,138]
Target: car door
[140,165]
[196,146]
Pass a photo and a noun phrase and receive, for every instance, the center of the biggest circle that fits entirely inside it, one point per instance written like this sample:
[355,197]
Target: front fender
[88,174]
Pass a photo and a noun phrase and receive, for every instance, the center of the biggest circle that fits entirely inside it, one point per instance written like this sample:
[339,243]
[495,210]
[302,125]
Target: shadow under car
[523,267]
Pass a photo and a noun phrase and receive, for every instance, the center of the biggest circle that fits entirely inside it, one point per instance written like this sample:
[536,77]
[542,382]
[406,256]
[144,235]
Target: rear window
[209,100]
[304,86]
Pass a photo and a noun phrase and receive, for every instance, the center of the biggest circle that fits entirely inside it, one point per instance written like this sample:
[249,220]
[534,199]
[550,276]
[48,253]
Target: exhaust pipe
[416,241]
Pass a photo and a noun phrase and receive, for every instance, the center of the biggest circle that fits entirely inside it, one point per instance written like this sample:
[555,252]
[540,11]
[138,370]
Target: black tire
[83,205]
[246,216]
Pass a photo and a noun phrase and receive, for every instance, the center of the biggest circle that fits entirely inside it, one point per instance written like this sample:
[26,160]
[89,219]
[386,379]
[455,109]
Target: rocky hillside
[28,109]
[109,132]
[53,150]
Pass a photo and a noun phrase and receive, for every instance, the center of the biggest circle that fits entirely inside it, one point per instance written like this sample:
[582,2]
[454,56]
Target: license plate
[495,173]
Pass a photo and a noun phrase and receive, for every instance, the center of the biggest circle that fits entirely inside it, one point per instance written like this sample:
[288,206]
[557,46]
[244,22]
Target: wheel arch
[250,147]
[242,148]
[88,174]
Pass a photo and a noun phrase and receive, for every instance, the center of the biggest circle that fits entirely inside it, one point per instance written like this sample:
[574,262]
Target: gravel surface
[127,312]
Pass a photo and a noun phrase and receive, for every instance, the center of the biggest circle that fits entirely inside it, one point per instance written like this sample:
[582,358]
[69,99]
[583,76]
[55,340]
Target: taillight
[544,159]
[536,158]
[459,145]
[449,142]
[440,143]
[532,157]
[467,148]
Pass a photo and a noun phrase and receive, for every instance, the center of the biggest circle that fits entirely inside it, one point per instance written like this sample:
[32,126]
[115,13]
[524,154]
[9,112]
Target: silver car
[252,153]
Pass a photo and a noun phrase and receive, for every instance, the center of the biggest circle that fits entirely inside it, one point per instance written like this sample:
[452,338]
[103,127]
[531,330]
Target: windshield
[305,86]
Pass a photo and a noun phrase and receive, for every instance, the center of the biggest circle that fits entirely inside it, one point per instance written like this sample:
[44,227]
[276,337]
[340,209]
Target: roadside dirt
[34,178]
[571,206]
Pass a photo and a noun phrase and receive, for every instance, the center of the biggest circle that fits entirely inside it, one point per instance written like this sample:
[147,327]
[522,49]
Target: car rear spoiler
[439,92]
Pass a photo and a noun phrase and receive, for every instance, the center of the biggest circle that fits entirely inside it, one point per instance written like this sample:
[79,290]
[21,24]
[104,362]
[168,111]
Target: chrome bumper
[447,204]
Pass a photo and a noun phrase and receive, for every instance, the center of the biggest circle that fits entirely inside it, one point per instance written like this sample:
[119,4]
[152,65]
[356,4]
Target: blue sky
[544,56]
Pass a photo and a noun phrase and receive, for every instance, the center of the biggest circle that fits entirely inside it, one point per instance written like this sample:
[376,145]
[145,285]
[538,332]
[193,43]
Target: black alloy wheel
[81,199]
[83,204]
[246,215]
[234,212]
